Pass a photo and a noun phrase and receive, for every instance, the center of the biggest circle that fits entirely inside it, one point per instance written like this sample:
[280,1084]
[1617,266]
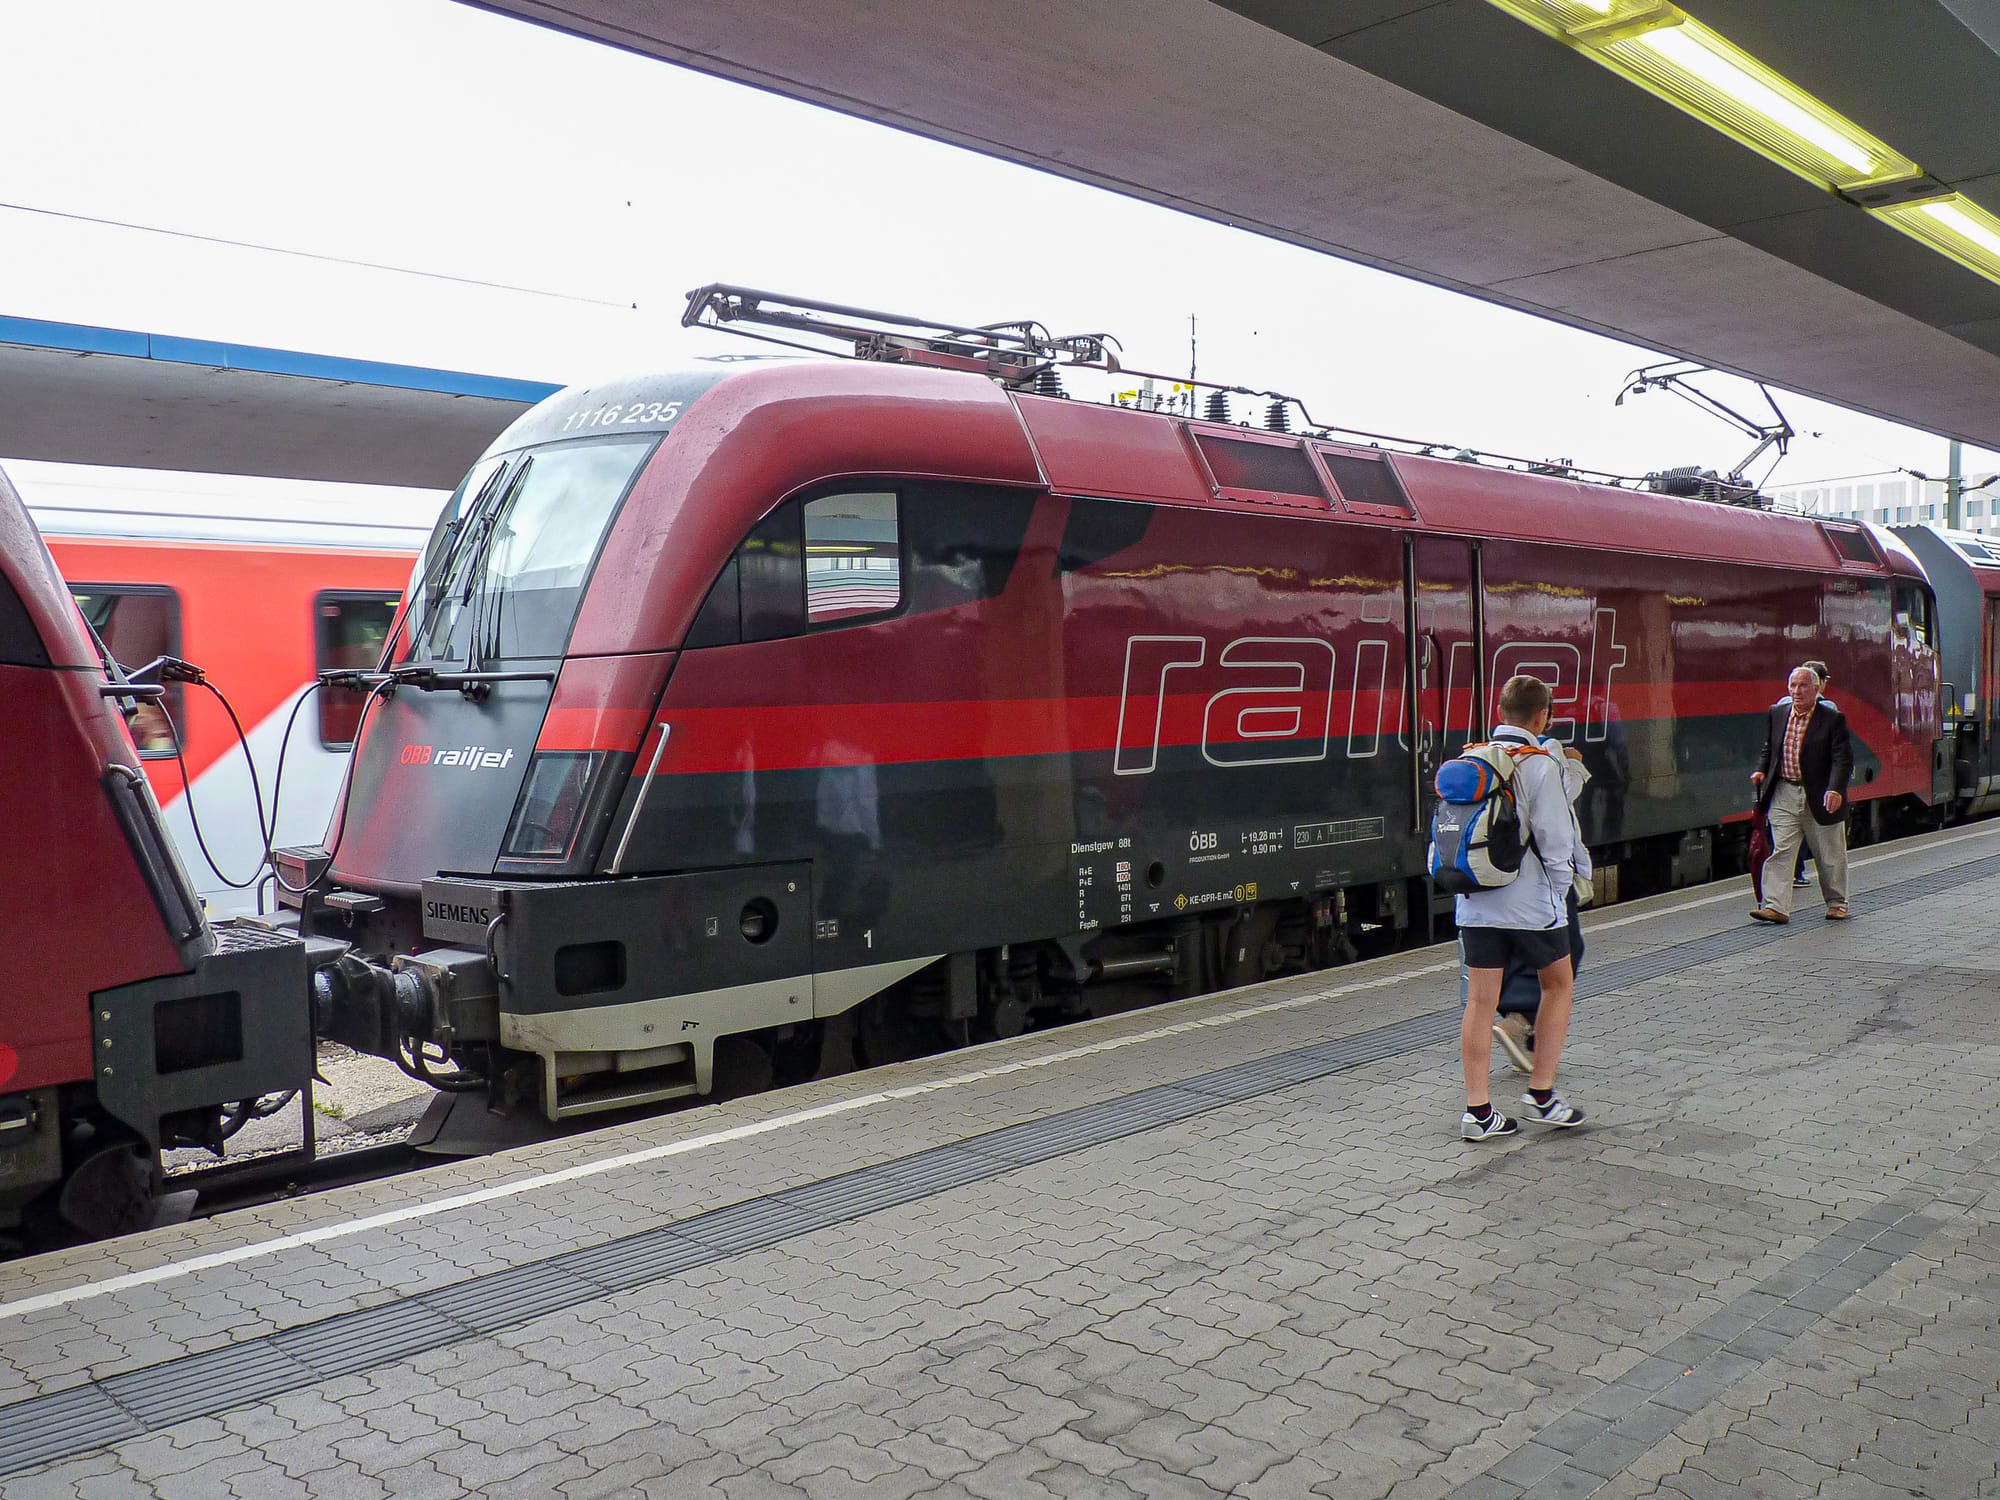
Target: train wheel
[742,1067]
[796,1052]
[113,1189]
[886,1032]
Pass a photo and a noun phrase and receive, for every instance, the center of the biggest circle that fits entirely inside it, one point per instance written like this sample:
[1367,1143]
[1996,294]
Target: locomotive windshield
[506,566]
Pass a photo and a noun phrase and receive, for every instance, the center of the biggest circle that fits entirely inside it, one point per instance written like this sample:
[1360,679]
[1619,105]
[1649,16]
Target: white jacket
[1538,898]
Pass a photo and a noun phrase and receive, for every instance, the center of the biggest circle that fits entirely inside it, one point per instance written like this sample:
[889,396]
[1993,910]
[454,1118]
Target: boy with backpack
[1504,843]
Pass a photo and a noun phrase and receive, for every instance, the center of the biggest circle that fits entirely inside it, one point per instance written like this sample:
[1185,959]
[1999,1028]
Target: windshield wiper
[428,677]
[479,581]
[458,530]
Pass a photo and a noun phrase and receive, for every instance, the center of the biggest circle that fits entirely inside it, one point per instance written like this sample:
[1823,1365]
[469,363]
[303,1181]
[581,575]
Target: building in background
[1893,499]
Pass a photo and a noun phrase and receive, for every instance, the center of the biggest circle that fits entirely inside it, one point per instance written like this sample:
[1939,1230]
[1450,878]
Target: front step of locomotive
[567,998]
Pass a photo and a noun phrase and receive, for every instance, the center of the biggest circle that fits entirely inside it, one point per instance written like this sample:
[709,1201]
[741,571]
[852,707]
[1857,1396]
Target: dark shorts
[1494,947]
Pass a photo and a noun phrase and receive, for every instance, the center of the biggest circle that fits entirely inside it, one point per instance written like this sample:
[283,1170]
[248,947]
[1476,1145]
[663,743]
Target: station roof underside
[70,393]
[1439,139]
[1448,141]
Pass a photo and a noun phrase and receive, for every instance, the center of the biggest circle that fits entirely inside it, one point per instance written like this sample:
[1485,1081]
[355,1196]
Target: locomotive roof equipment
[1734,489]
[1014,354]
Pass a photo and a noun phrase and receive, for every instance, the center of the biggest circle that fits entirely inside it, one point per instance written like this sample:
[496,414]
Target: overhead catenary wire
[313,255]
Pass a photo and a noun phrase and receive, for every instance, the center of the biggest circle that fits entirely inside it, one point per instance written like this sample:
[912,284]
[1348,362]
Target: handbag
[1760,850]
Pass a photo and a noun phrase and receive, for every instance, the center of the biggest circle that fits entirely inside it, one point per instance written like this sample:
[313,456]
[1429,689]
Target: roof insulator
[1218,406]
[1277,417]
[1049,383]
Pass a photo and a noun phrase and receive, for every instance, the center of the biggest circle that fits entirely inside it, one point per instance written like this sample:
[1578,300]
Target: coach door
[1442,578]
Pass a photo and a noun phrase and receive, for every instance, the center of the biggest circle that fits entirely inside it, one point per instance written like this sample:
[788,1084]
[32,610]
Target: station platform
[1231,1246]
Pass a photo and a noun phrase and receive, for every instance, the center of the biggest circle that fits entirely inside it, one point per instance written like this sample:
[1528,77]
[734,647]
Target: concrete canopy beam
[1440,139]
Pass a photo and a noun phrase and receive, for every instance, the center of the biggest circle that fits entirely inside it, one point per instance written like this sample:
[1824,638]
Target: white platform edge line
[173,1270]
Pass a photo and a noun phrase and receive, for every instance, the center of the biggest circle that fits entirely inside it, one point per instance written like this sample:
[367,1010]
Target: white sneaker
[1491,1128]
[1556,1112]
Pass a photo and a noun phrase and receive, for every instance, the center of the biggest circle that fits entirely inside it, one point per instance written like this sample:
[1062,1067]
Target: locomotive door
[1987,760]
[1441,576]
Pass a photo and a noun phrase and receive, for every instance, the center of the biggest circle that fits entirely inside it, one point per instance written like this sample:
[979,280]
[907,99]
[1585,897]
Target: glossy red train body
[730,702]
[890,685]
[127,1021]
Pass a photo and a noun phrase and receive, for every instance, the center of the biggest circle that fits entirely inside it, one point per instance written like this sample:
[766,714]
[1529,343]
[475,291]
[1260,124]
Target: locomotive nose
[436,782]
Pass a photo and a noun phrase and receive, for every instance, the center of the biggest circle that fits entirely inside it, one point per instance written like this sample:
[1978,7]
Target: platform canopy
[76,394]
[1451,141]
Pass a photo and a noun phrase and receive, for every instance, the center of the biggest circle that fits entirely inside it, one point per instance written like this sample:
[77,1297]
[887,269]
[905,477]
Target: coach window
[139,623]
[348,634]
[854,558]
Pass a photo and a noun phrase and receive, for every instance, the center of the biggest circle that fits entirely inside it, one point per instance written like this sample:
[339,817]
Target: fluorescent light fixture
[1953,225]
[1663,50]
[1697,57]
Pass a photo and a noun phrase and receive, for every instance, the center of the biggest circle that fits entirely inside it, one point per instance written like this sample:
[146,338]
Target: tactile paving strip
[75,1421]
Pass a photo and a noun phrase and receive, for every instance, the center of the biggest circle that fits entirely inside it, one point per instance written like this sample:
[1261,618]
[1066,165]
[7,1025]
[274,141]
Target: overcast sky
[421,182]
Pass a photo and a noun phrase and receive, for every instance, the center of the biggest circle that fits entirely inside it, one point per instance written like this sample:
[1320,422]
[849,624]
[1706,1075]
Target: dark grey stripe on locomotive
[81,1419]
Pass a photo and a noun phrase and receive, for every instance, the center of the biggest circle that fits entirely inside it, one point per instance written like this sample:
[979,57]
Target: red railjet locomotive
[128,1022]
[732,707]
[731,700]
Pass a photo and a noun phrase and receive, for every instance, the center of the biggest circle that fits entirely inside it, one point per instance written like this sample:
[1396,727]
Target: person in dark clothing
[1801,780]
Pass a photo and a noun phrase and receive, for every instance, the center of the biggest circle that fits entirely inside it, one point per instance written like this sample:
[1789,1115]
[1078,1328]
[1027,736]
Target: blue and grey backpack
[1477,832]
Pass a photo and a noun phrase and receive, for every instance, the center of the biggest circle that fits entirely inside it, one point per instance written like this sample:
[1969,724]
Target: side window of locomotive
[349,631]
[961,542]
[760,595]
[20,642]
[859,556]
[770,578]
[139,623]
[854,556]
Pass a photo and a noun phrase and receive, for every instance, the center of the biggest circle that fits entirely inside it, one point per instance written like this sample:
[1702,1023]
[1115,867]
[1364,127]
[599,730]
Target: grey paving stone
[1310,1292]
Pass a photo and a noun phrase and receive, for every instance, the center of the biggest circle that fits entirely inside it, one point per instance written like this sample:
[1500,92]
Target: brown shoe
[1836,914]
[1768,914]
[1517,1040]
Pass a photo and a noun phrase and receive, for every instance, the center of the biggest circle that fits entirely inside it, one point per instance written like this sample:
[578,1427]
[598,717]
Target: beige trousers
[1790,822]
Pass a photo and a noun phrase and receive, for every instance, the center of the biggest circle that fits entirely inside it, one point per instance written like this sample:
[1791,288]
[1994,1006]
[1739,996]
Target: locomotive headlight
[550,807]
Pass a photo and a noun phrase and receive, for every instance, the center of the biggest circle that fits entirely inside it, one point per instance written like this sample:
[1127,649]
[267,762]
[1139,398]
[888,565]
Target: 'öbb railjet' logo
[462,758]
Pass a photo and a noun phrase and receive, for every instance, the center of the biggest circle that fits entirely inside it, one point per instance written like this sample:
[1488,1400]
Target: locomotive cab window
[853,557]
[349,631]
[139,623]
[506,568]
[1913,614]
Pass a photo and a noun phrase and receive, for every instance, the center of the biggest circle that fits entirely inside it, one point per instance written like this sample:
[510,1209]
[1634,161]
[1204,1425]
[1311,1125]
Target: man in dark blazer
[1801,780]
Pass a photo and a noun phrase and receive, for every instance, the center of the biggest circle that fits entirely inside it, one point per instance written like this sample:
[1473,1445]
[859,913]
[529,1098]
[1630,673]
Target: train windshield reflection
[505,570]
